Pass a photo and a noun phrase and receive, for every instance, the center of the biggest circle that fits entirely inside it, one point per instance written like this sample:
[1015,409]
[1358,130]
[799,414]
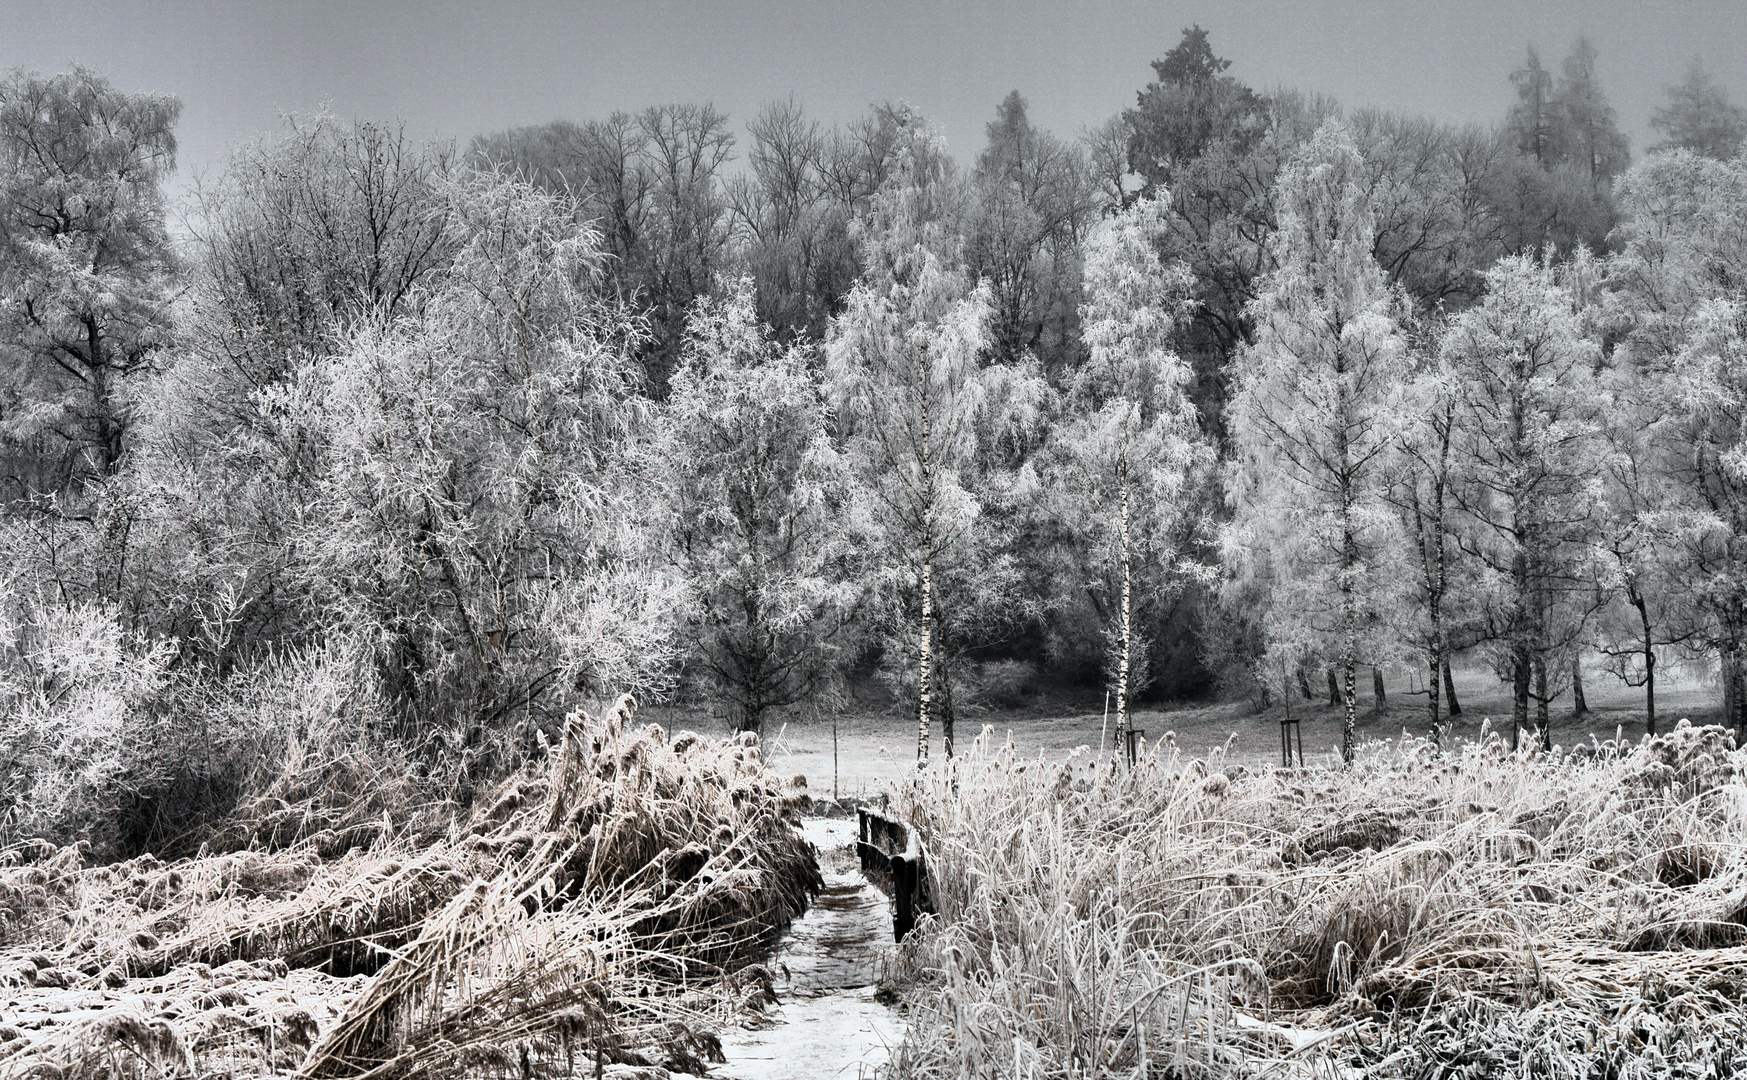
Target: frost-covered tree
[1527,439]
[1641,528]
[478,518]
[1677,286]
[1314,414]
[1550,188]
[1033,202]
[1590,137]
[85,265]
[1424,473]
[1699,117]
[652,181]
[916,407]
[760,511]
[306,235]
[792,236]
[1131,439]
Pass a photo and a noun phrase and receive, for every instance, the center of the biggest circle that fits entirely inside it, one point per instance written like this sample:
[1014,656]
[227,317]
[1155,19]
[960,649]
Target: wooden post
[903,896]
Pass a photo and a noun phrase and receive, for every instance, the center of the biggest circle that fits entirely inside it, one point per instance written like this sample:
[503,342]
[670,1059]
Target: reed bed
[604,910]
[1473,913]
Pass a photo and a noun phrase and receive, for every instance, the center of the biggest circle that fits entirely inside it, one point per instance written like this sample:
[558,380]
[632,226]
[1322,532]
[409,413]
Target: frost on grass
[1580,913]
[605,907]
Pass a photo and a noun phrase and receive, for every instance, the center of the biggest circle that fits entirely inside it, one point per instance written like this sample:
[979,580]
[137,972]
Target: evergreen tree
[1533,120]
[1589,136]
[1699,117]
[1189,108]
[1033,202]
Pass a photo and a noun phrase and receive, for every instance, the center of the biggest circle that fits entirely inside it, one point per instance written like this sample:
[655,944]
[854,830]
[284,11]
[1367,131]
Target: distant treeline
[1232,392]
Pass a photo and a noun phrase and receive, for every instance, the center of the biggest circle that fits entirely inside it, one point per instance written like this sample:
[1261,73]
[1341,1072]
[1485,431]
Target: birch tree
[1422,491]
[911,396]
[1314,414]
[1126,455]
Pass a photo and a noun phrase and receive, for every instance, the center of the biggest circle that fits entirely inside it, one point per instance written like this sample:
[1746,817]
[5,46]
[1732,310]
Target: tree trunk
[1377,697]
[1454,708]
[108,429]
[927,695]
[1122,664]
[1542,723]
[946,716]
[1649,665]
[1519,698]
[1432,695]
[923,682]
[1579,707]
[1349,602]
[1304,684]
[1352,711]
[1334,687]
[1734,709]
[1740,711]
[1726,662]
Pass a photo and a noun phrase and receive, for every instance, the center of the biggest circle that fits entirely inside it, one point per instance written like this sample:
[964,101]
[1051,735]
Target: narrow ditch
[828,1025]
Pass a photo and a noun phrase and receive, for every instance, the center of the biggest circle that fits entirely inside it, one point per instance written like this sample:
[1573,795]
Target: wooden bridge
[892,859]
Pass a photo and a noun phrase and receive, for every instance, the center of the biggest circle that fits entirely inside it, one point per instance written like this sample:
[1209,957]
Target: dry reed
[593,913]
[1419,914]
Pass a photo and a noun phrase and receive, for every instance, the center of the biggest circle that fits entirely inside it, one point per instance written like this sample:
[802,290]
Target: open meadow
[876,747]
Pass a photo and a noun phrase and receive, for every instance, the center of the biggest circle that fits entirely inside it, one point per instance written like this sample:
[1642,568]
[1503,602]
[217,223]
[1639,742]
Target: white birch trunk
[1122,664]
[925,681]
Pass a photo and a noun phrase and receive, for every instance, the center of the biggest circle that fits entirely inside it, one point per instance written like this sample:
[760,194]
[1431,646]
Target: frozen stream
[828,1026]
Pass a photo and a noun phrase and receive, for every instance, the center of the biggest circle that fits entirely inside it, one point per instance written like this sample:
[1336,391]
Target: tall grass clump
[1478,913]
[605,906]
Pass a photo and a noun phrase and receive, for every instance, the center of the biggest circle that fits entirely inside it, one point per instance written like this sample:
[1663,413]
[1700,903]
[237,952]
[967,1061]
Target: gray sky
[455,69]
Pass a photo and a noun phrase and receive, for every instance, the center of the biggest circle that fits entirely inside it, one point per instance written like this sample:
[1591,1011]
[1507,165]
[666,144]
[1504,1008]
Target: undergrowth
[1421,914]
[605,906]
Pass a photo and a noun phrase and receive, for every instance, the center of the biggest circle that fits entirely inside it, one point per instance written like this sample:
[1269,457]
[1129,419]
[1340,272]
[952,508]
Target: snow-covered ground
[828,1025]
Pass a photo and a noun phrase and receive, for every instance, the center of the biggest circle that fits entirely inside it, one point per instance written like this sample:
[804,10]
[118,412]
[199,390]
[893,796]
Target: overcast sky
[456,69]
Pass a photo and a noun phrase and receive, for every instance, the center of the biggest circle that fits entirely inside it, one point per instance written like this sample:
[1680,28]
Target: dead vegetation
[1471,914]
[600,910]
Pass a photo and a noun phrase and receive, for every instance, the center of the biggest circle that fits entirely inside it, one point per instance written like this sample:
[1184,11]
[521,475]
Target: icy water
[828,1026]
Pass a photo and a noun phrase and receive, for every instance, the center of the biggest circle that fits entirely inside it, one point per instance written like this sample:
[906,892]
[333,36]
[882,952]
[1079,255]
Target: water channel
[828,1025]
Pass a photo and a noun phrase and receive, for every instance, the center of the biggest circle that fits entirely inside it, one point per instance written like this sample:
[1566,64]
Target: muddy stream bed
[828,1025]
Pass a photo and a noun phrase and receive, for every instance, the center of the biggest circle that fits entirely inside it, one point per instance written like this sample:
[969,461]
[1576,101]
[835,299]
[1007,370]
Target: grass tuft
[1422,913]
[594,910]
